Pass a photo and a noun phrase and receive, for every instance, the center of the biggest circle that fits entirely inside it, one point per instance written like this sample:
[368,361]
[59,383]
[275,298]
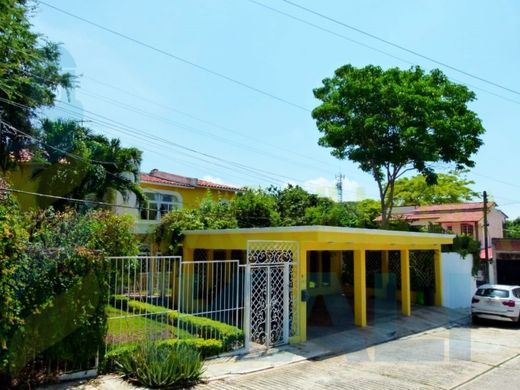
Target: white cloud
[218,180]
[352,190]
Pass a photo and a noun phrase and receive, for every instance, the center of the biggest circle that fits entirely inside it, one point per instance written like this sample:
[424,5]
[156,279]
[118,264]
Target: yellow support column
[437,260]
[406,303]
[360,290]
[302,306]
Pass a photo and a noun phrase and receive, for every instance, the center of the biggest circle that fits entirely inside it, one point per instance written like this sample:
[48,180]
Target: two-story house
[458,218]
[167,191]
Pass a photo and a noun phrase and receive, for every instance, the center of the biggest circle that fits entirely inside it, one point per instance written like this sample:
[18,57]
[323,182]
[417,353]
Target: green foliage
[205,347]
[330,213]
[217,214]
[393,121]
[79,164]
[512,228]
[207,328]
[54,287]
[159,365]
[292,203]
[449,188]
[195,326]
[13,243]
[368,211]
[210,215]
[256,208]
[466,245]
[29,76]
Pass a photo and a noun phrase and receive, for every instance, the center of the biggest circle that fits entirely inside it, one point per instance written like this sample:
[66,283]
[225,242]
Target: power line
[199,119]
[177,58]
[98,203]
[75,156]
[461,71]
[344,37]
[141,133]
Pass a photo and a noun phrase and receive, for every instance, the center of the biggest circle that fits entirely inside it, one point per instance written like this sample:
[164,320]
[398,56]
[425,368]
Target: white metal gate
[270,286]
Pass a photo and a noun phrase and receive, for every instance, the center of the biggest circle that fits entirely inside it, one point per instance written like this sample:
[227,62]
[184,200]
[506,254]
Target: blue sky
[242,137]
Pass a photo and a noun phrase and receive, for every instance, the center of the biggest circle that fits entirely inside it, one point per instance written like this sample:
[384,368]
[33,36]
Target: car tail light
[475,300]
[509,303]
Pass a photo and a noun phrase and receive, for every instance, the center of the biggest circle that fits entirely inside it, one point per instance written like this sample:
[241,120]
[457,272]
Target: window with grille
[159,204]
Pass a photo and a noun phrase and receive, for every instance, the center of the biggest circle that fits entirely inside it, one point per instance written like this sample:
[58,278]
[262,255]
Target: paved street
[482,357]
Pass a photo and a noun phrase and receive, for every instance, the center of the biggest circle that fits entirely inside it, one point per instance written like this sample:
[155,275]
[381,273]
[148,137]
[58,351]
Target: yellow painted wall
[191,197]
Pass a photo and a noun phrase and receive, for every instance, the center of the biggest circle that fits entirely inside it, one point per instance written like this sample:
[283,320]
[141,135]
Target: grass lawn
[125,327]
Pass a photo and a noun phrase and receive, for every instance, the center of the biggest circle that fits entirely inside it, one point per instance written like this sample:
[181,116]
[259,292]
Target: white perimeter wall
[457,282]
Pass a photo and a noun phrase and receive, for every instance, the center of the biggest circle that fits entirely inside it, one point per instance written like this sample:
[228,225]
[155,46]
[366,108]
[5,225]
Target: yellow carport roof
[317,238]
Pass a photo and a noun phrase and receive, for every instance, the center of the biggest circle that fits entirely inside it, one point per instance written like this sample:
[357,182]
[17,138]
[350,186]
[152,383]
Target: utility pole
[339,186]
[485,228]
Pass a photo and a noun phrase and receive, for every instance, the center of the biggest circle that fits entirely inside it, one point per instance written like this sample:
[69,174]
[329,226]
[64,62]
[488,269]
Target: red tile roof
[454,207]
[470,216]
[170,179]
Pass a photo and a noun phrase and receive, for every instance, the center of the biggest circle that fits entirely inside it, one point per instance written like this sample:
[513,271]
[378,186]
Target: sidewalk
[422,319]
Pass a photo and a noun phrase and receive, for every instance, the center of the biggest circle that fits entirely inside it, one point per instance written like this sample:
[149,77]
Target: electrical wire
[177,58]
[386,53]
[416,53]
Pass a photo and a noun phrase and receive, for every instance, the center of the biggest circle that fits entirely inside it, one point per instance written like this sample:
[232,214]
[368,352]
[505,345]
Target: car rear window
[492,292]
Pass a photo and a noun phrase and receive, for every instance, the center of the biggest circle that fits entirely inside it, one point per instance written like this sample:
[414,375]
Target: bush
[161,365]
[207,328]
[206,348]
[53,287]
[201,327]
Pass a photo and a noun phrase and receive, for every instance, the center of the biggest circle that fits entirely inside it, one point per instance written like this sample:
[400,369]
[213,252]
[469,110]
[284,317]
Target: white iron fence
[164,297]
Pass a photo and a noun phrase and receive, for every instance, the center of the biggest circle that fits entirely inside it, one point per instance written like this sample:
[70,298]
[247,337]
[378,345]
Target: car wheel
[474,319]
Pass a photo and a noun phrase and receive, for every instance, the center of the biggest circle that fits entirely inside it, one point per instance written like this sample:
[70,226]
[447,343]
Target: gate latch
[305,296]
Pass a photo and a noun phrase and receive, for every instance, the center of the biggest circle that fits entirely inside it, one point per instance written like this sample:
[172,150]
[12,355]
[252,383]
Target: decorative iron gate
[270,286]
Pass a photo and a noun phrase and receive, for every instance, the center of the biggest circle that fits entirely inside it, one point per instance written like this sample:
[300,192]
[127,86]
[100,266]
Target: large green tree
[394,121]
[75,162]
[449,188]
[30,75]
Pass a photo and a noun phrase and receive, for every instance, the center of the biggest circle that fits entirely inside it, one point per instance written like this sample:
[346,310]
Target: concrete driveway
[463,357]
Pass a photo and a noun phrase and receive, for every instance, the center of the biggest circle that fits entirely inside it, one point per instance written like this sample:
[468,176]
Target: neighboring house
[167,191]
[506,261]
[458,218]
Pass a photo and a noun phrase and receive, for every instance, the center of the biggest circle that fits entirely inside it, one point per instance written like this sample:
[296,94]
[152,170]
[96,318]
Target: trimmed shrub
[207,328]
[200,327]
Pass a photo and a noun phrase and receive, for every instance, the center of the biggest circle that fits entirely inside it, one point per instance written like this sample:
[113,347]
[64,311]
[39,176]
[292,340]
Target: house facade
[458,218]
[167,191]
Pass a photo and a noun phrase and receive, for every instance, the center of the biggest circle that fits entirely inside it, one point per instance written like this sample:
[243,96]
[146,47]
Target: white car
[496,302]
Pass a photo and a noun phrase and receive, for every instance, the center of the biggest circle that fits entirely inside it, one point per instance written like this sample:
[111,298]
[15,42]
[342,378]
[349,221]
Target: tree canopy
[75,162]
[30,75]
[449,188]
[394,121]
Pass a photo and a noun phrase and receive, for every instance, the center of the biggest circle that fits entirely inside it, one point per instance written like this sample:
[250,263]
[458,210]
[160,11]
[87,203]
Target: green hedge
[206,348]
[201,327]
[207,328]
